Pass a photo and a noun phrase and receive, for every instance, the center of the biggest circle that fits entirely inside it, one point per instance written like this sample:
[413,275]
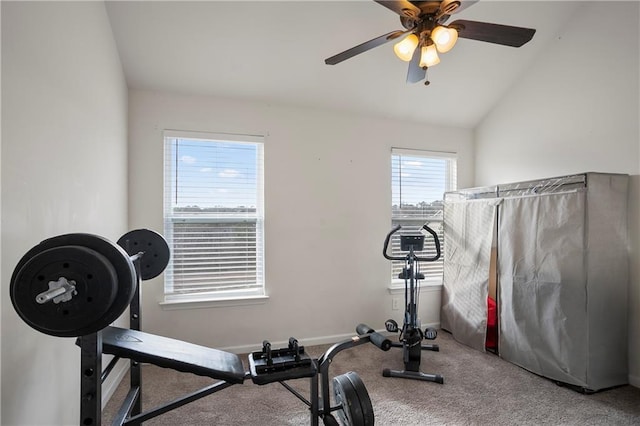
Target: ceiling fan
[426,34]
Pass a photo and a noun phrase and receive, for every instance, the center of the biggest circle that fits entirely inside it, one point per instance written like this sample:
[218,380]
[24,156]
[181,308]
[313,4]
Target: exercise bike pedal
[391,326]
[430,333]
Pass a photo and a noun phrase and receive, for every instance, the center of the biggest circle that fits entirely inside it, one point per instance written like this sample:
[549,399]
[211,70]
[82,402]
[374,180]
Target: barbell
[77,284]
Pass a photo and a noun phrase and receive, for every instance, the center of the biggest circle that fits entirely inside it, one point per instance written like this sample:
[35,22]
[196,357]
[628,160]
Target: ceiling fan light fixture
[444,38]
[429,56]
[404,49]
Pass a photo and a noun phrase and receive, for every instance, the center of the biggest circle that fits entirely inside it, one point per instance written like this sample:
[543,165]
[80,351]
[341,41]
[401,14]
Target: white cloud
[228,173]
[206,170]
[188,159]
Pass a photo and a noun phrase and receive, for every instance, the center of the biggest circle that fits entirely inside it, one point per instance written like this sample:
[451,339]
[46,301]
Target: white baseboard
[111,383]
[323,340]
[311,341]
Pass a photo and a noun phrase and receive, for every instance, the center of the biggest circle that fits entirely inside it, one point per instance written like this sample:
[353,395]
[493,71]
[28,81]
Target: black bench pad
[172,353]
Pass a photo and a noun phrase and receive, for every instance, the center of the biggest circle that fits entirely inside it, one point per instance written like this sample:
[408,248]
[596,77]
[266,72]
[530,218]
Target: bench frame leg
[90,381]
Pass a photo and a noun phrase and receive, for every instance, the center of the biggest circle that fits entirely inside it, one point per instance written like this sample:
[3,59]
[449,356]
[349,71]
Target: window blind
[214,216]
[419,180]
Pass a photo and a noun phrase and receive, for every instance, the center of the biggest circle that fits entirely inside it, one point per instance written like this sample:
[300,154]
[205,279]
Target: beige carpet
[479,389]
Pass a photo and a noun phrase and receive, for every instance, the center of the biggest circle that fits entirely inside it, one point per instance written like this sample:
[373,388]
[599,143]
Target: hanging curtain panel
[469,228]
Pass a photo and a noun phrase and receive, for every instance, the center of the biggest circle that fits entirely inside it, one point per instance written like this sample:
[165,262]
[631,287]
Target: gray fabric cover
[542,292]
[563,275]
[607,280]
[468,234]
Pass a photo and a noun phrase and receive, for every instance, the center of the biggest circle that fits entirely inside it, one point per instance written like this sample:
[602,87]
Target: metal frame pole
[91,379]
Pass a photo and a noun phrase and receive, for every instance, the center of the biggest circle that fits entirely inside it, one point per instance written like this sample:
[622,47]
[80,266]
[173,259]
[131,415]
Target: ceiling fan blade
[416,73]
[361,48]
[493,33]
[401,7]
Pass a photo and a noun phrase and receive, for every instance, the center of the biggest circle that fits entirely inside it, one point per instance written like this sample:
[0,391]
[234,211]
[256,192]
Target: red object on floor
[492,324]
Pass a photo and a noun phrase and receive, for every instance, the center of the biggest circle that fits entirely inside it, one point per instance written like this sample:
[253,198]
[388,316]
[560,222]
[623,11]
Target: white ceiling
[274,51]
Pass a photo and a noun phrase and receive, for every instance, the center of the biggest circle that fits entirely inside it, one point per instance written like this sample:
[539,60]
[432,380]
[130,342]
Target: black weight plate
[116,256]
[344,395]
[350,393]
[96,285]
[365,401]
[155,248]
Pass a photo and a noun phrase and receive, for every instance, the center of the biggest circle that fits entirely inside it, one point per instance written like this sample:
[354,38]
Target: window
[213,216]
[419,180]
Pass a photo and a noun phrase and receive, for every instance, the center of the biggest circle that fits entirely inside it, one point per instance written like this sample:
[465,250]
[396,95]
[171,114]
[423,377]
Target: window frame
[212,297]
[397,285]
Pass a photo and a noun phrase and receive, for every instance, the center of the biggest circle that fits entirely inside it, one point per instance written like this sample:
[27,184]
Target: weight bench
[140,347]
[265,366]
[76,285]
[174,354]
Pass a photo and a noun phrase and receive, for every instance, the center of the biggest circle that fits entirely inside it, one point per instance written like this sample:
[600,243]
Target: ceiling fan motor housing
[443,7]
[449,6]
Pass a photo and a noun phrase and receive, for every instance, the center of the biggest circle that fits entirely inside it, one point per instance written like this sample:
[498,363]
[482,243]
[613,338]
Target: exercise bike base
[434,348]
[416,375]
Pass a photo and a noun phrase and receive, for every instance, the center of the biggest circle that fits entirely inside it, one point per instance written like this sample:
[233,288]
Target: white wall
[64,169]
[327,211]
[0,222]
[576,110]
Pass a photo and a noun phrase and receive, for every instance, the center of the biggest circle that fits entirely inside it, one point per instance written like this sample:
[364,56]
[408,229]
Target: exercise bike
[411,336]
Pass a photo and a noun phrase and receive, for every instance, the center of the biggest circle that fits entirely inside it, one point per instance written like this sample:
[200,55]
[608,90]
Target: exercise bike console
[412,242]
[409,241]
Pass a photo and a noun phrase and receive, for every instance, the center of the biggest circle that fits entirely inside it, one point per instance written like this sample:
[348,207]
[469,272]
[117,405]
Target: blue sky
[414,172]
[215,174]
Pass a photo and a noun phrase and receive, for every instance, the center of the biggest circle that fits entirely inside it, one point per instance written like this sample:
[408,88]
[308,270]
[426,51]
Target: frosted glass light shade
[444,38]
[404,49]
[429,56]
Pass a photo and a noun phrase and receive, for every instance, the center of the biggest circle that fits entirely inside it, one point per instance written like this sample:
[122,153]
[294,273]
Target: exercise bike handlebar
[421,259]
[386,244]
[436,241]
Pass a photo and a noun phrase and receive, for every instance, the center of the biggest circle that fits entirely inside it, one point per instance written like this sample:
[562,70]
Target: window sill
[196,303]
[397,287]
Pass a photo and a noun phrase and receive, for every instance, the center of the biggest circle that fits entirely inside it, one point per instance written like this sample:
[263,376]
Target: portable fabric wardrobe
[561,280]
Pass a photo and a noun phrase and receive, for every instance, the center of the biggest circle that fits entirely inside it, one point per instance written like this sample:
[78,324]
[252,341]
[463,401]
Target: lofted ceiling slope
[274,51]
